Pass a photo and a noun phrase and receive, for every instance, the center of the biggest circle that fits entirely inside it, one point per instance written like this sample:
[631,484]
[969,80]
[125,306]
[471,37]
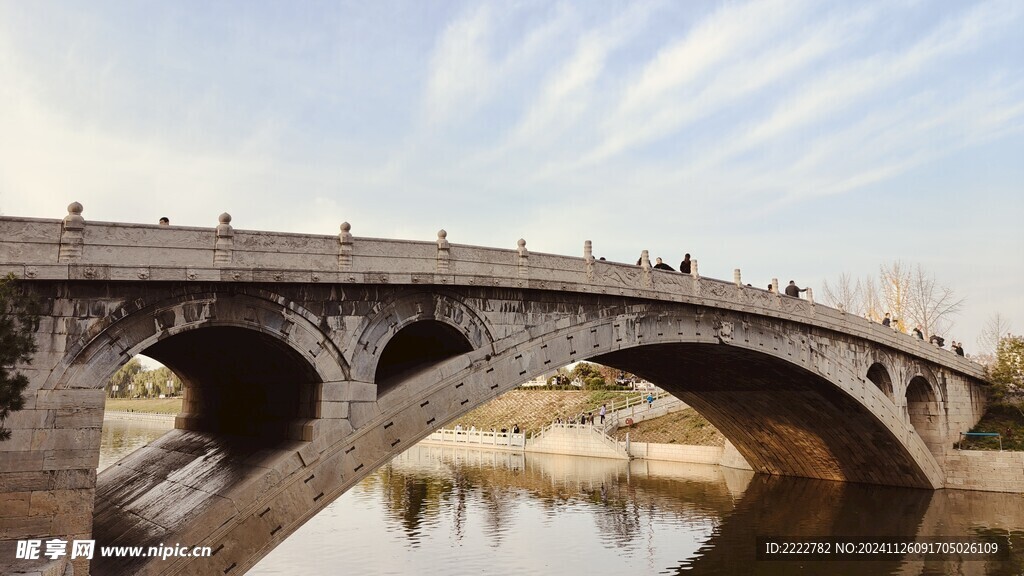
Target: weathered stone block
[57,502]
[66,439]
[69,459]
[333,410]
[14,504]
[70,399]
[22,527]
[21,461]
[30,418]
[347,391]
[79,418]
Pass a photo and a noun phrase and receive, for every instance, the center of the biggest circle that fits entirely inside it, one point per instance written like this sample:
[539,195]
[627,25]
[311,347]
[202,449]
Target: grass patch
[1007,420]
[157,405]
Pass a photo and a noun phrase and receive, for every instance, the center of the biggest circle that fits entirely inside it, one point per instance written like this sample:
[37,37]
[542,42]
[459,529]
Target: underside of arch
[925,412]
[782,418]
[878,374]
[239,381]
[416,347]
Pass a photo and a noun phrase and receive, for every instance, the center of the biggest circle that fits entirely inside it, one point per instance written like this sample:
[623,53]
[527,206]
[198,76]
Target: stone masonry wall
[985,470]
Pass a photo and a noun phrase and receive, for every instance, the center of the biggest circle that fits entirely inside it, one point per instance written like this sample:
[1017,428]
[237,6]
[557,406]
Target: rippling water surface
[440,511]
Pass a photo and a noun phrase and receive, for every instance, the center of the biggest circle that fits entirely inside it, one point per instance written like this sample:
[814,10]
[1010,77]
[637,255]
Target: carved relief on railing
[715,289]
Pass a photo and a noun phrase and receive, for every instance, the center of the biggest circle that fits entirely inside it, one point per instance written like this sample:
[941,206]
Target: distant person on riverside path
[684,266]
[662,266]
[604,409]
[887,321]
[650,401]
[793,290]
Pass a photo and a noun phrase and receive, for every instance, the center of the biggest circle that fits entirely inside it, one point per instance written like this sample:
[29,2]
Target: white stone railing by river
[481,438]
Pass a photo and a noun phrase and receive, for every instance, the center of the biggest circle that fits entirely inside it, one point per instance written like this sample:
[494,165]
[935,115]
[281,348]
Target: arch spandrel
[132,329]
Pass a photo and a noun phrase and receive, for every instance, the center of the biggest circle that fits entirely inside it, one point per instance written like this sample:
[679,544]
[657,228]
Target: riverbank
[152,405]
[532,410]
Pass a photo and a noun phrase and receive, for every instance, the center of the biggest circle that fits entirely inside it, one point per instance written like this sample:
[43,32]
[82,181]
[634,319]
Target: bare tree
[894,291]
[845,294]
[996,328]
[930,304]
[910,296]
[871,299]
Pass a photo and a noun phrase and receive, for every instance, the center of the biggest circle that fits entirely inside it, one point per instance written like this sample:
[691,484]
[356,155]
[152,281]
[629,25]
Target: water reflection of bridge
[732,507]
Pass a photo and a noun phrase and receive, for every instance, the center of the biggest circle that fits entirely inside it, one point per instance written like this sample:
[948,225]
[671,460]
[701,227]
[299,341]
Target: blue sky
[791,139]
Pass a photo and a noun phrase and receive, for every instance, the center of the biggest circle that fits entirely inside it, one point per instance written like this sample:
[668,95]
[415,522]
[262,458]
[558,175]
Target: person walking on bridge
[662,266]
[684,266]
[793,290]
[603,411]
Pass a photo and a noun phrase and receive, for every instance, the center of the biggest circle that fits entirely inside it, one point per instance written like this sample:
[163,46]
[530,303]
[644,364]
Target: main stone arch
[816,415]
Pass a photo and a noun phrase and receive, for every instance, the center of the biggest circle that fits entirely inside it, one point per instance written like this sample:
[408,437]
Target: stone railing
[76,249]
[481,438]
[663,405]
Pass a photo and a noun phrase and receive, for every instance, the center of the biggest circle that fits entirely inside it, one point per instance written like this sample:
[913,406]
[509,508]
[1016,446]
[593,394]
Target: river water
[445,510]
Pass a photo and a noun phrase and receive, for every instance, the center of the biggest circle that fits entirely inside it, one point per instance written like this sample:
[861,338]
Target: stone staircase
[577,440]
[632,411]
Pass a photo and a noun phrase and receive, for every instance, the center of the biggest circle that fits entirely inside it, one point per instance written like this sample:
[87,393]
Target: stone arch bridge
[312,360]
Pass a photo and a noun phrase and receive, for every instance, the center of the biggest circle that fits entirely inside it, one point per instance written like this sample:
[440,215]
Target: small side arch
[252,365]
[924,410]
[879,375]
[416,330]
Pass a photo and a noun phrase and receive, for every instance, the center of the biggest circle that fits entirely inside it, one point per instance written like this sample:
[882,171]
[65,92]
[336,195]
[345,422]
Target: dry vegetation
[683,427]
[532,409]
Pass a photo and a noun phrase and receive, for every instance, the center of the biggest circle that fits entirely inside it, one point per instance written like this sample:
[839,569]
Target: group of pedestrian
[938,341]
[791,290]
[684,266]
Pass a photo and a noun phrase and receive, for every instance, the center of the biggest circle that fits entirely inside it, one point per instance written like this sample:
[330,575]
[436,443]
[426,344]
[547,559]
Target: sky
[792,139]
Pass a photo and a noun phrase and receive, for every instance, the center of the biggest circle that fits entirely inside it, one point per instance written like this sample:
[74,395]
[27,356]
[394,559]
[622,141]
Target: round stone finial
[225,218]
[345,227]
[75,208]
[441,234]
[522,243]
